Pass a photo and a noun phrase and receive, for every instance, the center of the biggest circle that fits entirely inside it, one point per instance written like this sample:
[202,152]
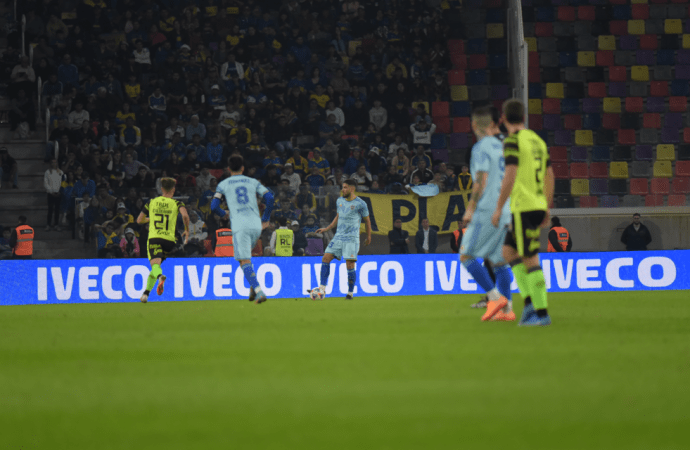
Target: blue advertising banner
[108,280]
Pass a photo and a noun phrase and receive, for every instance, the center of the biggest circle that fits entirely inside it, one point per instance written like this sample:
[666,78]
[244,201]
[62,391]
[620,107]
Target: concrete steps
[26,198]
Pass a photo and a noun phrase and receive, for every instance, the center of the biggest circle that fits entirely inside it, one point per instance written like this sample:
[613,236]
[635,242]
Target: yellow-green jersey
[162,212]
[529,153]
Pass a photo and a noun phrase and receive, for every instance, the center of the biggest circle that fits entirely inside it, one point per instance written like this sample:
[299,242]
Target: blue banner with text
[110,280]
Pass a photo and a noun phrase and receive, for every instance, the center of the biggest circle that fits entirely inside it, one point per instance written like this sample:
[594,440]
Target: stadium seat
[678,104]
[618,27]
[567,59]
[659,186]
[565,201]
[662,73]
[651,120]
[462,125]
[589,201]
[534,74]
[563,137]
[601,153]
[439,109]
[579,170]
[579,154]
[618,89]
[659,89]
[669,135]
[617,73]
[591,121]
[648,41]
[649,136]
[459,140]
[531,44]
[586,12]
[562,187]
[584,137]
[458,61]
[665,152]
[665,57]
[673,26]
[456,77]
[598,186]
[456,46]
[579,187]
[536,122]
[534,106]
[612,121]
[438,140]
[561,170]
[572,122]
[594,74]
[683,169]
[639,12]
[586,59]
[638,89]
[458,93]
[630,121]
[626,137]
[591,105]
[543,29]
[440,154]
[643,58]
[655,104]
[597,170]
[662,169]
[618,170]
[636,27]
[628,43]
[495,31]
[622,153]
[479,93]
[684,152]
[477,62]
[686,41]
[554,90]
[618,187]
[596,89]
[558,154]
[621,11]
[639,186]
[607,42]
[654,200]
[632,201]
[609,201]
[644,153]
[460,109]
[551,106]
[676,200]
[640,169]
[669,42]
[604,58]
[612,105]
[552,122]
[605,137]
[680,88]
[680,185]
[639,73]
[497,61]
[634,104]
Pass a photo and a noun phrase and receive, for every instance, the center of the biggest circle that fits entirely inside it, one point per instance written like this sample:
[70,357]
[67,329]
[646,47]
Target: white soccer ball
[317,294]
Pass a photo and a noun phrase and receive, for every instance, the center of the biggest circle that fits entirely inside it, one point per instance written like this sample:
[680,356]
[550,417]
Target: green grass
[395,373]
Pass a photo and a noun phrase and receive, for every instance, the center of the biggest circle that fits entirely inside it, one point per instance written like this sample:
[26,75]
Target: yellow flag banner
[443,210]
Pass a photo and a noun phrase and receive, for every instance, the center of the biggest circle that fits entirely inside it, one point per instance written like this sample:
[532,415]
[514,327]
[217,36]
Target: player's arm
[142,218]
[185,220]
[367,224]
[215,204]
[477,190]
[329,227]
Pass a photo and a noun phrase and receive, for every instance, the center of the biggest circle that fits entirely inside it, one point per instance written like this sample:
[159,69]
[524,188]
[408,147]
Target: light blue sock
[250,275]
[325,271]
[351,278]
[480,274]
[503,280]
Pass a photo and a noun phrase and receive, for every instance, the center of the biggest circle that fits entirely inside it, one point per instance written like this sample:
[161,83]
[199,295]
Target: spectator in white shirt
[337,112]
[142,56]
[363,178]
[292,177]
[421,133]
[173,128]
[395,146]
[378,115]
[77,116]
[51,182]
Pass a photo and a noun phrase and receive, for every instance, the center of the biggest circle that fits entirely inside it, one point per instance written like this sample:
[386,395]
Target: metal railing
[518,52]
[23,35]
[39,119]
[48,125]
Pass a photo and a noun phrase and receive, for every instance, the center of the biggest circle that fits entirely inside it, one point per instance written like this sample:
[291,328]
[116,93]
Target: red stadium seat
[654,200]
[680,185]
[573,122]
[456,77]
[558,154]
[634,104]
[566,13]
[640,12]
[579,170]
[551,106]
[686,135]
[456,46]
[682,169]
[611,121]
[659,89]
[442,125]
[589,201]
[676,200]
[605,58]
[639,186]
[533,59]
[617,73]
[440,109]
[560,169]
[626,137]
[534,72]
[596,89]
[543,29]
[599,170]
[618,27]
[678,104]
[660,186]
[648,42]
[458,61]
[651,120]
[462,125]
[536,122]
[477,62]
[587,12]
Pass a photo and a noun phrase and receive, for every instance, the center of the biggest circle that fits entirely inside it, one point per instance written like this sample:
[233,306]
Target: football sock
[480,275]
[325,271]
[490,270]
[503,280]
[153,277]
[351,278]
[250,275]
[537,287]
[520,272]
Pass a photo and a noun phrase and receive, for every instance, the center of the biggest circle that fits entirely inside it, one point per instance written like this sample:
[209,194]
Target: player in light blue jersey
[482,239]
[240,193]
[352,210]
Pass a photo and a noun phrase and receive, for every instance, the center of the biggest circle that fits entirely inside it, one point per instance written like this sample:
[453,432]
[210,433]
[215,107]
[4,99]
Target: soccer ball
[317,294]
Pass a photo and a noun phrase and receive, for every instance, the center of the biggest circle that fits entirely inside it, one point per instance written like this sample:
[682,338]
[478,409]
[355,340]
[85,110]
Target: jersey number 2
[158,224]
[242,197]
[538,174]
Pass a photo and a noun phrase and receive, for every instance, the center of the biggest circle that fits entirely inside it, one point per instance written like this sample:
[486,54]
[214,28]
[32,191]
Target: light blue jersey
[487,156]
[240,194]
[350,214]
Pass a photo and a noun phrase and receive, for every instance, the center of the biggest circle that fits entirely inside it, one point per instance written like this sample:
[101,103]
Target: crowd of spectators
[310,92]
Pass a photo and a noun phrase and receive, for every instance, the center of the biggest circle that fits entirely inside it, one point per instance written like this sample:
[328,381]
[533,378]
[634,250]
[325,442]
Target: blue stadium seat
[438,141]
[546,14]
[570,106]
[601,153]
[476,46]
[497,61]
[476,77]
[535,90]
[680,88]
[591,121]
[665,57]
[496,15]
[568,59]
[460,109]
[621,12]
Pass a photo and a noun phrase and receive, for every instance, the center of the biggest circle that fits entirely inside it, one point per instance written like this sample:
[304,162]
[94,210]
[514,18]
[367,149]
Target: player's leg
[242,242]
[155,255]
[333,250]
[503,275]
[351,265]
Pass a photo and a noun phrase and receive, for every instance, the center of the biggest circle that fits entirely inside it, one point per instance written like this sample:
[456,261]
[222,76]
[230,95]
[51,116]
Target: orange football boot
[494,306]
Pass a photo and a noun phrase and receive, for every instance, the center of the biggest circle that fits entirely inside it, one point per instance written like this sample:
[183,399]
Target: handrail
[23,35]
[48,125]
[31,55]
[39,119]
[57,149]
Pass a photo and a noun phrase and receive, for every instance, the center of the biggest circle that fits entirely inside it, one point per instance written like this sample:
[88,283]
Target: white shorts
[483,240]
[346,250]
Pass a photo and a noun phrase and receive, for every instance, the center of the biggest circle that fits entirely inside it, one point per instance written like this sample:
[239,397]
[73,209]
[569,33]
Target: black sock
[528,301]
[542,313]
[147,292]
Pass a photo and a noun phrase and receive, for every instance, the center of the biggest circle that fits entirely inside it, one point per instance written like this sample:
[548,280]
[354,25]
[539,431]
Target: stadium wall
[35,282]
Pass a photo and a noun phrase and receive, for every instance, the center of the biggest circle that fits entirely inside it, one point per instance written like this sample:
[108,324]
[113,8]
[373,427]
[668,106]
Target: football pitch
[382,373]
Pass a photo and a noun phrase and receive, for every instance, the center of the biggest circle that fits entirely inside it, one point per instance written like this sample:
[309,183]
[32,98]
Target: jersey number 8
[242,197]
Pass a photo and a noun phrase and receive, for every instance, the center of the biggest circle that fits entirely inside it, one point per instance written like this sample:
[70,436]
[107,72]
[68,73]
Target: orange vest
[456,235]
[563,237]
[25,241]
[224,245]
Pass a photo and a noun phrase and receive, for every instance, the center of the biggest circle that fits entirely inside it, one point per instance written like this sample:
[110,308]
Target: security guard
[224,246]
[282,238]
[22,240]
[559,238]
[457,237]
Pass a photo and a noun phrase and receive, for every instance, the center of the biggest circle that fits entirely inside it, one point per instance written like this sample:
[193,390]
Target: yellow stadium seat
[584,137]
[531,44]
[612,105]
[495,31]
[554,90]
[662,169]
[636,27]
[607,42]
[579,187]
[534,106]
[639,73]
[639,2]
[665,152]
[458,93]
[618,169]
[586,59]
[686,41]
[673,26]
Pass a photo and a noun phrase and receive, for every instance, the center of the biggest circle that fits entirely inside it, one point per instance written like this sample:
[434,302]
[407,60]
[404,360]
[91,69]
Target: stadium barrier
[104,281]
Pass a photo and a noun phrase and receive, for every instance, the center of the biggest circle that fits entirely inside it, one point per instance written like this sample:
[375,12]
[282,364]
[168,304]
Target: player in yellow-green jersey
[161,214]
[529,182]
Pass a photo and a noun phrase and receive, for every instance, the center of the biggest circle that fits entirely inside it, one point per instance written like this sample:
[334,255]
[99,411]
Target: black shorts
[159,248]
[524,235]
